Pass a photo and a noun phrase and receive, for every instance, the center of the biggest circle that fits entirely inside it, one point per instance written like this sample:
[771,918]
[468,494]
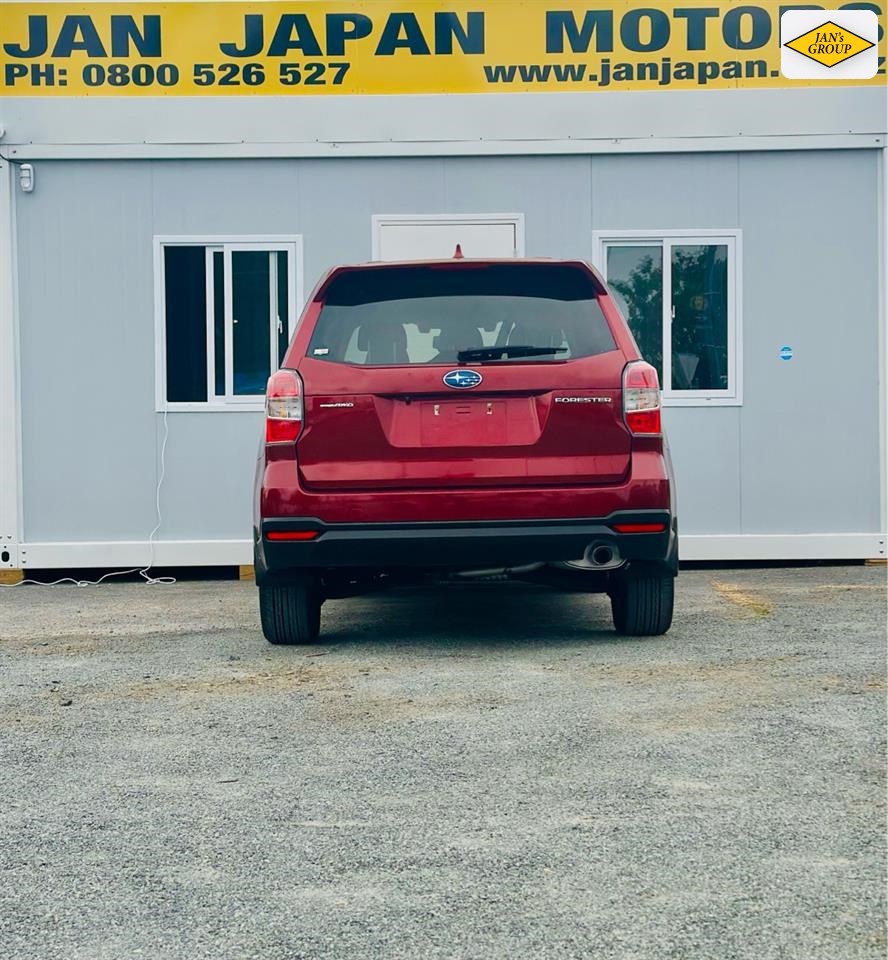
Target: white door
[427,238]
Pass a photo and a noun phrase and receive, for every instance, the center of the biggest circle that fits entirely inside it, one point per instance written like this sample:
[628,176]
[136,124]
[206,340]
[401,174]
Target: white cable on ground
[141,571]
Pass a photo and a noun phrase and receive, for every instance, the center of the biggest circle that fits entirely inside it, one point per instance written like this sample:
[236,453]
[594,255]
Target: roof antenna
[458,254]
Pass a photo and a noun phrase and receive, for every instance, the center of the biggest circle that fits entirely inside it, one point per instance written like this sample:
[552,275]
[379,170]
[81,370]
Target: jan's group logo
[829,44]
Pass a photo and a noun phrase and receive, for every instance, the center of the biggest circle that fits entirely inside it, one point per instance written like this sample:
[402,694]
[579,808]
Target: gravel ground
[481,771]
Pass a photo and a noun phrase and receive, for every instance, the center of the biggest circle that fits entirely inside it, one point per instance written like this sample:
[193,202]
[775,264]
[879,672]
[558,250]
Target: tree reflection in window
[635,277]
[700,317]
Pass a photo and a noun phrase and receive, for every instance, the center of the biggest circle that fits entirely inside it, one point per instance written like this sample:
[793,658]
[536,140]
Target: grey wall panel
[705,446]
[337,201]
[87,349]
[91,437]
[208,490]
[555,206]
[809,432]
[663,192]
[225,197]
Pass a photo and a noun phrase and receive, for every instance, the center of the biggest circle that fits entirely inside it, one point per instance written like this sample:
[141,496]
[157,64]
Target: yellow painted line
[757,606]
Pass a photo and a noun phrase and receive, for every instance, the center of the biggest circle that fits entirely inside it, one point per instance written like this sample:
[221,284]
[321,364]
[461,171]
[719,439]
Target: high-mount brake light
[283,407]
[641,399]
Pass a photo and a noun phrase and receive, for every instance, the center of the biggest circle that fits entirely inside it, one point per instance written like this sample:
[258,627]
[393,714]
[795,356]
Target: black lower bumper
[460,545]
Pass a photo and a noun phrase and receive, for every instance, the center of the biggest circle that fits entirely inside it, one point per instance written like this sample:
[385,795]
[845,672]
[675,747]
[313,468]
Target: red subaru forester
[463,419]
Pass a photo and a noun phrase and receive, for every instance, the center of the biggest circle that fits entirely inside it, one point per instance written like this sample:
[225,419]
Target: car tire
[291,612]
[642,606]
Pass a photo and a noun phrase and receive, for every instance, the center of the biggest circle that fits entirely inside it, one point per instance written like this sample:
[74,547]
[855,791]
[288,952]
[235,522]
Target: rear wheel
[291,612]
[642,605]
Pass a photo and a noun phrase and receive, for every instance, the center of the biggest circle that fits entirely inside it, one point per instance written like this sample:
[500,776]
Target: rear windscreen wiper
[506,352]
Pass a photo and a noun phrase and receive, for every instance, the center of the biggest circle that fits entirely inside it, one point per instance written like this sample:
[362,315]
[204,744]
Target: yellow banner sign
[305,47]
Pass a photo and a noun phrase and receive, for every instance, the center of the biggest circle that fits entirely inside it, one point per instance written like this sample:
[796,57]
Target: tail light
[641,398]
[639,527]
[292,535]
[283,407]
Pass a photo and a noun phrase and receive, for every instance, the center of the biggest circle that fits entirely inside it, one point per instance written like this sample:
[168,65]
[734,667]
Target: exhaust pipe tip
[601,555]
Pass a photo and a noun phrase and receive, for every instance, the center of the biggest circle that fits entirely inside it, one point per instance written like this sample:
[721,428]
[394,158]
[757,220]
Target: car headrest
[457,335]
[384,342]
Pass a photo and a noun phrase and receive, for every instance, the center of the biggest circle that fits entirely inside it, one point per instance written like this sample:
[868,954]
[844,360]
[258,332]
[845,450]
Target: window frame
[666,240]
[291,244]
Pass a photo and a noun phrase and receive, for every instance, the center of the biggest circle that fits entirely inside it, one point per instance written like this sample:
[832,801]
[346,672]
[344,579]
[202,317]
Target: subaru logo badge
[462,379]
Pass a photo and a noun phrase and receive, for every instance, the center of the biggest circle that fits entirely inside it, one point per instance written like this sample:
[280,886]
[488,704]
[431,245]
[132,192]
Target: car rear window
[428,314]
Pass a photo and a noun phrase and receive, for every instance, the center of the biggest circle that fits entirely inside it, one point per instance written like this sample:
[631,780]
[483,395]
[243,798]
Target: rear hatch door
[400,393]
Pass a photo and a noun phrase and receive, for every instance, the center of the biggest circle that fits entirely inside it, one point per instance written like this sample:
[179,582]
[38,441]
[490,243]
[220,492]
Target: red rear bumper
[646,488]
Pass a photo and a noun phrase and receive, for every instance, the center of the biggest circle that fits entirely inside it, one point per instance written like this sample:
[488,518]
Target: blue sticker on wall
[786,353]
